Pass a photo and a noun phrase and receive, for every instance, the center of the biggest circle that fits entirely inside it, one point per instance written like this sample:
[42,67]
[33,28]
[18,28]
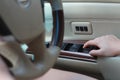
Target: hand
[4,72]
[108,45]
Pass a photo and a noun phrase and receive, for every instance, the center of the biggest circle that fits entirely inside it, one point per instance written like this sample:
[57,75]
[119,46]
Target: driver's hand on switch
[108,45]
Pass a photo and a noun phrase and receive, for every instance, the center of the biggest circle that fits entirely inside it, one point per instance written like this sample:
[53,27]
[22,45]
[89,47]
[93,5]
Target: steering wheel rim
[58,22]
[45,58]
[58,30]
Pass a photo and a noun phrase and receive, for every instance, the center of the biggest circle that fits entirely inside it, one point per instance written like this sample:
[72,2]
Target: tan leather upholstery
[55,74]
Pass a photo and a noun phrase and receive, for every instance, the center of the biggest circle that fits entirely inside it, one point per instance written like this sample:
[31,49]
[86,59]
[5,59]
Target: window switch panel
[82,28]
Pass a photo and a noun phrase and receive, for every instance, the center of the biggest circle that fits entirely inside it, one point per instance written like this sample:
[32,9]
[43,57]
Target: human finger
[90,43]
[4,71]
[3,66]
[97,53]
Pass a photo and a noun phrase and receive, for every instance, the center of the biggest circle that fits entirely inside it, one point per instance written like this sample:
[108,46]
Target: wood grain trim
[77,55]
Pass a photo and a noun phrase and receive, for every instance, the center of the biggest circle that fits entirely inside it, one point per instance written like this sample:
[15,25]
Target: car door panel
[104,19]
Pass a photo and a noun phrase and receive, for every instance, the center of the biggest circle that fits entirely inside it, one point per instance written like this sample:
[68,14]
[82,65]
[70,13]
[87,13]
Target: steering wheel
[22,21]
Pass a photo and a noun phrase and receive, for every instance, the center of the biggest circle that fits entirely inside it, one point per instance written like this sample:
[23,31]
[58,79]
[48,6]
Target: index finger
[90,43]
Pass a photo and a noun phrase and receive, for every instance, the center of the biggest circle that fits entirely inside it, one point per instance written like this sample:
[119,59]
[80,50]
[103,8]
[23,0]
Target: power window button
[81,28]
[86,28]
[77,28]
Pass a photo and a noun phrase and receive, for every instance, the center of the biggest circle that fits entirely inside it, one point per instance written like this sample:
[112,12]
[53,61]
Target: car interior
[84,20]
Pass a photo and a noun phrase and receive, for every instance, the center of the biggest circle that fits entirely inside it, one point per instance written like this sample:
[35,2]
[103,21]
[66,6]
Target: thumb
[4,71]
[96,53]
[3,66]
